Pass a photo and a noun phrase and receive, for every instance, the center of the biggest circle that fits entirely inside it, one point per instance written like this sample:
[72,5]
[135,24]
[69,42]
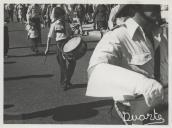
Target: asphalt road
[32,93]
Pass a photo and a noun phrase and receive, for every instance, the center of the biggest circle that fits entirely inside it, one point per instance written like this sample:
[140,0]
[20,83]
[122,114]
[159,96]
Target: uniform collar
[132,26]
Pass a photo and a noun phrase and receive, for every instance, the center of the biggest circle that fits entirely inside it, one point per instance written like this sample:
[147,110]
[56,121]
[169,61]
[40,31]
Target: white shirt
[137,51]
[54,28]
[126,48]
[32,32]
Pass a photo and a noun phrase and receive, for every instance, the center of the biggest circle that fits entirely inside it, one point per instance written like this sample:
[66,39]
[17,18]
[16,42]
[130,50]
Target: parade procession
[86,64]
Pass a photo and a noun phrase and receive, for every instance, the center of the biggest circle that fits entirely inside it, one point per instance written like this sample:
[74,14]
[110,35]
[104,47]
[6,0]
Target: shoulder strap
[156,57]
[157,64]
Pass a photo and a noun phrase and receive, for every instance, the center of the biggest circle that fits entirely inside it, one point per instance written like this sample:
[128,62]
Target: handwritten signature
[152,117]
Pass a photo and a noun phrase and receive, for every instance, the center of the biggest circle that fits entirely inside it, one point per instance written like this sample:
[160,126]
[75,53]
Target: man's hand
[46,50]
[153,93]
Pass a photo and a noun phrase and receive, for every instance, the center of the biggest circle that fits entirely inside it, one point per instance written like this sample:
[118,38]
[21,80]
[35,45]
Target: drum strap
[157,64]
[156,57]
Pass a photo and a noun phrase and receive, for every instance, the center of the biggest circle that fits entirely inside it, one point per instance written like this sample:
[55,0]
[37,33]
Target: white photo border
[165,2]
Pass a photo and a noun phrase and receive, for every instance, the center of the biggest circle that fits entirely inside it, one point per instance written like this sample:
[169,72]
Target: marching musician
[33,36]
[34,13]
[100,18]
[58,30]
[123,64]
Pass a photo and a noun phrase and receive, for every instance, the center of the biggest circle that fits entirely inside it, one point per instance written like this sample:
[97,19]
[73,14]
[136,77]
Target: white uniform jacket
[122,63]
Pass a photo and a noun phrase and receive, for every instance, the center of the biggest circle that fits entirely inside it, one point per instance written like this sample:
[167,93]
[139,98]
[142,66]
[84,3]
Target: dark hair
[156,8]
[58,12]
[127,11]
[139,7]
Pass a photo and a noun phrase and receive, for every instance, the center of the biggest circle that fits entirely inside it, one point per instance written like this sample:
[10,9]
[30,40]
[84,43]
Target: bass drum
[75,48]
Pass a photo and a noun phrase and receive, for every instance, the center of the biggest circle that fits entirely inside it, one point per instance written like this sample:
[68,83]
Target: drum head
[72,44]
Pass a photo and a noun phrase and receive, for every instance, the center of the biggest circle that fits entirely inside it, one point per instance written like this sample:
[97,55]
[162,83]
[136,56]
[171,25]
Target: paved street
[32,93]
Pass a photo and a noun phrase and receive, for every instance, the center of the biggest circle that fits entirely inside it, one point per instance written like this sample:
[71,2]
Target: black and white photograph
[85,63]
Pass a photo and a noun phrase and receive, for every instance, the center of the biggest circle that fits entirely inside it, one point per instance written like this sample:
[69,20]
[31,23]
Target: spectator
[34,13]
[33,36]
[100,18]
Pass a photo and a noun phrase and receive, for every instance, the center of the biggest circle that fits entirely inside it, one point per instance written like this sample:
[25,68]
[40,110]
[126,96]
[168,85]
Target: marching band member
[100,18]
[10,8]
[34,13]
[33,36]
[58,30]
[123,64]
[20,13]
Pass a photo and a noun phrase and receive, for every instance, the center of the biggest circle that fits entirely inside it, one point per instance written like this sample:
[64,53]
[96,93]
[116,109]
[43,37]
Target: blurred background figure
[25,8]
[52,12]
[6,14]
[89,13]
[34,14]
[165,19]
[10,10]
[47,14]
[16,12]
[6,41]
[20,13]
[33,36]
[164,13]
[76,26]
[79,14]
[100,18]
[6,35]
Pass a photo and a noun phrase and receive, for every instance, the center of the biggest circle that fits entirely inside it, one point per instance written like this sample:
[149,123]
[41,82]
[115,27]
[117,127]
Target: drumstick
[44,59]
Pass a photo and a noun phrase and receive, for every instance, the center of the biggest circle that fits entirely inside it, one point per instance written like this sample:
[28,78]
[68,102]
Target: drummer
[123,64]
[58,30]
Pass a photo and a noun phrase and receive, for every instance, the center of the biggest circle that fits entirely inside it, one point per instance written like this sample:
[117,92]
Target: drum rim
[76,47]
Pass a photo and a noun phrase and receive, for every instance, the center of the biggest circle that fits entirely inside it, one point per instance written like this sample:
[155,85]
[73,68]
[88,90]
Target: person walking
[20,13]
[33,36]
[10,8]
[58,30]
[34,13]
[100,18]
[89,13]
[79,9]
